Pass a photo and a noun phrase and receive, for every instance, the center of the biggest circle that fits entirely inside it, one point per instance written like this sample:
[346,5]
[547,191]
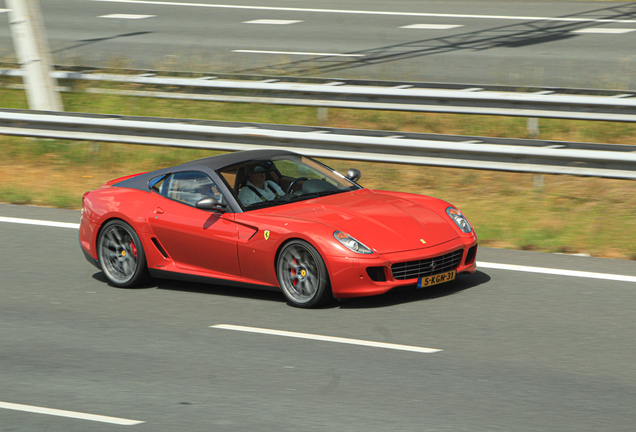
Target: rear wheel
[302,275]
[121,254]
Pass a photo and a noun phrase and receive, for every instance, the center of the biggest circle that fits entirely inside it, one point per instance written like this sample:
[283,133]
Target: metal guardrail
[532,156]
[534,102]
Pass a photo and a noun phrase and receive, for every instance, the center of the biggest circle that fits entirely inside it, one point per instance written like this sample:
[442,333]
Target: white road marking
[363,12]
[127,16]
[432,26]
[4,10]
[272,22]
[326,338]
[558,272]
[69,414]
[497,266]
[39,222]
[605,30]
[298,53]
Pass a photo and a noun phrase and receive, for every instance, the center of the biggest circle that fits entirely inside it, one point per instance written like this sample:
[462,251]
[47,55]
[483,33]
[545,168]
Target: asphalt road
[544,43]
[520,351]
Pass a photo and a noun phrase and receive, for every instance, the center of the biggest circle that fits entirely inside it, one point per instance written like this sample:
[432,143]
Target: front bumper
[350,277]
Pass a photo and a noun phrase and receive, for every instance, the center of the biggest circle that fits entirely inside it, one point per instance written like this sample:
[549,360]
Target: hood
[382,222]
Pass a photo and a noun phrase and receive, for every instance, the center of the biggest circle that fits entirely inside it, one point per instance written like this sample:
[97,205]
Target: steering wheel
[291,185]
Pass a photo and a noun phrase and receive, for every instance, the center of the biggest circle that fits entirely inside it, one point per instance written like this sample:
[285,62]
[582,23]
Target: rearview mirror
[210,203]
[354,174]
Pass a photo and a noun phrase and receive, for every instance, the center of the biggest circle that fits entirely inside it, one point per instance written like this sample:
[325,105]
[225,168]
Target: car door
[197,240]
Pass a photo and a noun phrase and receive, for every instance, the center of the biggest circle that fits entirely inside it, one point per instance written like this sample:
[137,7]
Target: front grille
[422,268]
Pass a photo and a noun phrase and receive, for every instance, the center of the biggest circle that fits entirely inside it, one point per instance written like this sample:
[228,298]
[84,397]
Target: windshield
[282,179]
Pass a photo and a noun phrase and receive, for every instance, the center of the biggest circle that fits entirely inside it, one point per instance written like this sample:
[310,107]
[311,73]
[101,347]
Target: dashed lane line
[127,16]
[298,53]
[327,338]
[39,222]
[273,22]
[432,26]
[69,414]
[605,30]
[557,272]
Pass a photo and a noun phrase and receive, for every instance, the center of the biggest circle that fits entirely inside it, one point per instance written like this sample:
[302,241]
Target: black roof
[211,163]
[227,159]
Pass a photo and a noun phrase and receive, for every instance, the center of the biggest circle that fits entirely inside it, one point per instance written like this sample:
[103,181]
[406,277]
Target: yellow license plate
[437,279]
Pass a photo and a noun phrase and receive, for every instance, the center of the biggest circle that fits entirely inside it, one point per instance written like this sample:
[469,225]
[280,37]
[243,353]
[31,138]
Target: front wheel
[302,275]
[121,254]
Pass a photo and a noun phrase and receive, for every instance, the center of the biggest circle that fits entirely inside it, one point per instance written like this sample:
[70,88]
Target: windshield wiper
[330,192]
[311,195]
[263,204]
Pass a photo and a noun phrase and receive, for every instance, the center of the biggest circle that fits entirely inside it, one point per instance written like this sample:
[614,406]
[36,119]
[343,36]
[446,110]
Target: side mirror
[354,174]
[210,203]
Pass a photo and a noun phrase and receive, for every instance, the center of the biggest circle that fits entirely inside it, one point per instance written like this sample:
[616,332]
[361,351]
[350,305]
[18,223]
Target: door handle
[158,210]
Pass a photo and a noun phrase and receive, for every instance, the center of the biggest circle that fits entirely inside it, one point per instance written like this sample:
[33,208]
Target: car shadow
[392,298]
[200,288]
[222,290]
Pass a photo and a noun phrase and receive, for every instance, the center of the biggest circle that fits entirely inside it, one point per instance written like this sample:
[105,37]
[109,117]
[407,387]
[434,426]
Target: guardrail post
[323,115]
[532,126]
[32,51]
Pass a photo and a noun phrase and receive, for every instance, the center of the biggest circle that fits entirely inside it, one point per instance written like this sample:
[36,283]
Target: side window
[156,183]
[188,187]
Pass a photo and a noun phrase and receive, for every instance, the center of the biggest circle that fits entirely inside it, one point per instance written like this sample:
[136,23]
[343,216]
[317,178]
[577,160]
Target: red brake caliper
[293,273]
[134,249]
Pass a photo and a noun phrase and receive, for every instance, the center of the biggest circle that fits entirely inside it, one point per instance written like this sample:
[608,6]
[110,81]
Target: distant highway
[548,43]
[531,342]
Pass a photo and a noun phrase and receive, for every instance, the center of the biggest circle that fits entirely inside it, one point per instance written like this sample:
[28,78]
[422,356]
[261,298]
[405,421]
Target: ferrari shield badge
[423,241]
[266,234]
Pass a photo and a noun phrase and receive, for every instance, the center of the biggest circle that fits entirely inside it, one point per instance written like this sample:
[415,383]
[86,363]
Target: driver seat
[240,180]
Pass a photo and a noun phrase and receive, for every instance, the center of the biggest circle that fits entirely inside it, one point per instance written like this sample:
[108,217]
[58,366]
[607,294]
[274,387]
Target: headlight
[459,219]
[351,243]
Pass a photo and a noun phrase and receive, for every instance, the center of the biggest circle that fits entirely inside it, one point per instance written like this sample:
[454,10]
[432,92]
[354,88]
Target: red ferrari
[272,219]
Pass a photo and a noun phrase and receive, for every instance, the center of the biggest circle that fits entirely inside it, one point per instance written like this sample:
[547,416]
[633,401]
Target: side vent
[376,274]
[160,248]
[470,255]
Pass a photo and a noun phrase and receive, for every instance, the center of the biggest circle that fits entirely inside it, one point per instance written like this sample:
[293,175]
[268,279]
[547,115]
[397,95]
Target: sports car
[272,219]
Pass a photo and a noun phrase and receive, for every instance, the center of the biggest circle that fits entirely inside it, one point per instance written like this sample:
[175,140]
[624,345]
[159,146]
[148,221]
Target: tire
[302,275]
[121,255]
